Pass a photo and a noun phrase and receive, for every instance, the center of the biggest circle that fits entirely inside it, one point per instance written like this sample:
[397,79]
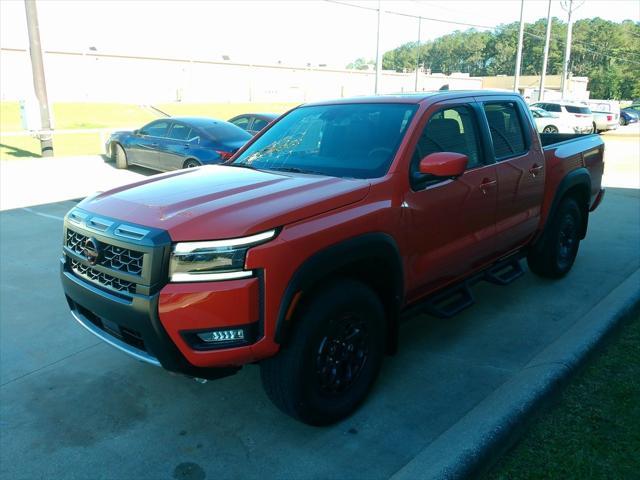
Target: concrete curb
[485,432]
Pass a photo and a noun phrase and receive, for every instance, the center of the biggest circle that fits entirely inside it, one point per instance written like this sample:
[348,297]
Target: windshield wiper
[297,170]
[242,165]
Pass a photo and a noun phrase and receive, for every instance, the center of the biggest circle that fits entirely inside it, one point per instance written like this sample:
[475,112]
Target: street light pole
[418,52]
[567,5]
[39,85]
[378,53]
[516,79]
[545,57]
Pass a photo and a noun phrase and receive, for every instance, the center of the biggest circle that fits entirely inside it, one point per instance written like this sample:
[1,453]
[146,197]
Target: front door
[451,221]
[147,147]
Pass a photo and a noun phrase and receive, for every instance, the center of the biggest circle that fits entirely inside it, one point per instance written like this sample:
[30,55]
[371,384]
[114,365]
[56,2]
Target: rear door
[520,171]
[451,221]
[177,146]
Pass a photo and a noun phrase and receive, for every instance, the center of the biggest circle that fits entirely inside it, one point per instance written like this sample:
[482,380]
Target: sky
[292,32]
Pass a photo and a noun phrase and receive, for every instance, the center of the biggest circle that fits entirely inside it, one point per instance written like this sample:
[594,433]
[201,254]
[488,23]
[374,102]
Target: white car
[578,116]
[547,122]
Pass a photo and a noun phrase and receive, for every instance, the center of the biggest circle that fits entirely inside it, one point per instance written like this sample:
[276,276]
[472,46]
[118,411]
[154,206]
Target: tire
[555,256]
[192,163]
[550,129]
[119,156]
[623,121]
[305,379]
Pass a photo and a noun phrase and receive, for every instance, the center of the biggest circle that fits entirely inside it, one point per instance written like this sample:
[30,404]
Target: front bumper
[132,326]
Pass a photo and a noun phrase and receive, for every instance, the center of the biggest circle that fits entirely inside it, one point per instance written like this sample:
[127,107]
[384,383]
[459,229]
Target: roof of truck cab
[410,98]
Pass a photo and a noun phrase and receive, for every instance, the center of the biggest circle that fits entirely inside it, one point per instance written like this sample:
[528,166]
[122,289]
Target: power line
[473,25]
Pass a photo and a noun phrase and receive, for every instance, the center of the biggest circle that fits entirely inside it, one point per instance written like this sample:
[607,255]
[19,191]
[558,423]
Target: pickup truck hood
[218,202]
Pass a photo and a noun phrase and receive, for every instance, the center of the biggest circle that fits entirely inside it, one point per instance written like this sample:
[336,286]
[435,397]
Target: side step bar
[456,298]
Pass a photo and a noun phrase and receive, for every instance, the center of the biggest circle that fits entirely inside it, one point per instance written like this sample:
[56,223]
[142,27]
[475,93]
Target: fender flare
[575,178]
[369,246]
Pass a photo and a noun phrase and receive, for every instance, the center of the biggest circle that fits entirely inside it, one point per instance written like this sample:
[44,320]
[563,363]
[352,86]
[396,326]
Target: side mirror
[444,164]
[137,132]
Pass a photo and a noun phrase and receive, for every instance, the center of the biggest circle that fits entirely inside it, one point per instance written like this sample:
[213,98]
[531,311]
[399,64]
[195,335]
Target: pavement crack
[49,364]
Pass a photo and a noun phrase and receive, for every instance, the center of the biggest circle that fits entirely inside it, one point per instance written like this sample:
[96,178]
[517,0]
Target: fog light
[217,336]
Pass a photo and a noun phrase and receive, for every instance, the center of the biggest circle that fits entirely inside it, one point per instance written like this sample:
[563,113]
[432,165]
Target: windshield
[540,112]
[576,109]
[353,140]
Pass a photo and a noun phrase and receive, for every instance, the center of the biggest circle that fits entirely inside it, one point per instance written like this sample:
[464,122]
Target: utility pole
[545,58]
[568,6]
[516,79]
[378,53]
[39,85]
[418,53]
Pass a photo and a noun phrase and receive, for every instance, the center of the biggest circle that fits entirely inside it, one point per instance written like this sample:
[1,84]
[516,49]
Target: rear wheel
[191,163]
[119,156]
[550,129]
[333,355]
[555,256]
[623,121]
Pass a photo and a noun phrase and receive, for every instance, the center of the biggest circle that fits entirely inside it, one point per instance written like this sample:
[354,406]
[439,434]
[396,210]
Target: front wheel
[550,129]
[623,121]
[555,256]
[119,156]
[191,163]
[333,356]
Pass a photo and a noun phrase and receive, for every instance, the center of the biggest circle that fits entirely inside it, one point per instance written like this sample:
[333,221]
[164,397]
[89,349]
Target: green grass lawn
[76,116]
[594,430]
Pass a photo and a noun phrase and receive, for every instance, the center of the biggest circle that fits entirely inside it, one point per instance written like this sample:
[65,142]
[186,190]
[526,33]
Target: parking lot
[73,407]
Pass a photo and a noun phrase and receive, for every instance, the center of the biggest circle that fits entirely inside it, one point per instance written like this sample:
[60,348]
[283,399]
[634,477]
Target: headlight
[213,260]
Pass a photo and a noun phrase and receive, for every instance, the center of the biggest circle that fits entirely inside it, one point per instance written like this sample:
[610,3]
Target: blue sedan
[176,142]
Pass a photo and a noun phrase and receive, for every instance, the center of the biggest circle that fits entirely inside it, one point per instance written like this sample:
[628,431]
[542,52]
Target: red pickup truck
[304,251]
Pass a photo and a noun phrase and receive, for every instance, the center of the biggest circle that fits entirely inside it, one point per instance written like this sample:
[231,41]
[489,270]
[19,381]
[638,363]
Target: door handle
[154,144]
[535,170]
[486,184]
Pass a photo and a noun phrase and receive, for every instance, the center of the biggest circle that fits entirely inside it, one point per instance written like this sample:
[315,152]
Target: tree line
[606,52]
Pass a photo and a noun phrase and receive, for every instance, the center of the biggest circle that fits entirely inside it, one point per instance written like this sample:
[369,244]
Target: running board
[505,272]
[456,298]
[450,302]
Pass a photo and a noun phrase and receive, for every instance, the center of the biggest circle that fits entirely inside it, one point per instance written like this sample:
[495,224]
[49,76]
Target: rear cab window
[506,129]
[578,109]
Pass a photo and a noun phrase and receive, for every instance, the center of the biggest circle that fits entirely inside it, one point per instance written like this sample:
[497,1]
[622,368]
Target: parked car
[303,251]
[253,122]
[547,122]
[579,116]
[176,142]
[628,116]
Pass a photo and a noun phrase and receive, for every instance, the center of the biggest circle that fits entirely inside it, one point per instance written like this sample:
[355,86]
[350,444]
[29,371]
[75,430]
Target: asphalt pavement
[73,407]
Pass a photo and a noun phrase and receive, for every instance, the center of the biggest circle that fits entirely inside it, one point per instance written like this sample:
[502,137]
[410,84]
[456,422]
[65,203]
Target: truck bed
[552,139]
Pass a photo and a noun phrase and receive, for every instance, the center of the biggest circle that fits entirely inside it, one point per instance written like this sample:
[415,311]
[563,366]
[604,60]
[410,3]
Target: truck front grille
[101,278]
[113,257]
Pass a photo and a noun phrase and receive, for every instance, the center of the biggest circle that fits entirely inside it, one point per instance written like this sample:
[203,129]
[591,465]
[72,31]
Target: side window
[242,122]
[506,129]
[553,107]
[259,124]
[449,130]
[156,129]
[180,132]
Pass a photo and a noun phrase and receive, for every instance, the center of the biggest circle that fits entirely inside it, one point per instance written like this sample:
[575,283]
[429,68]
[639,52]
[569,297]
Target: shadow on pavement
[18,152]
